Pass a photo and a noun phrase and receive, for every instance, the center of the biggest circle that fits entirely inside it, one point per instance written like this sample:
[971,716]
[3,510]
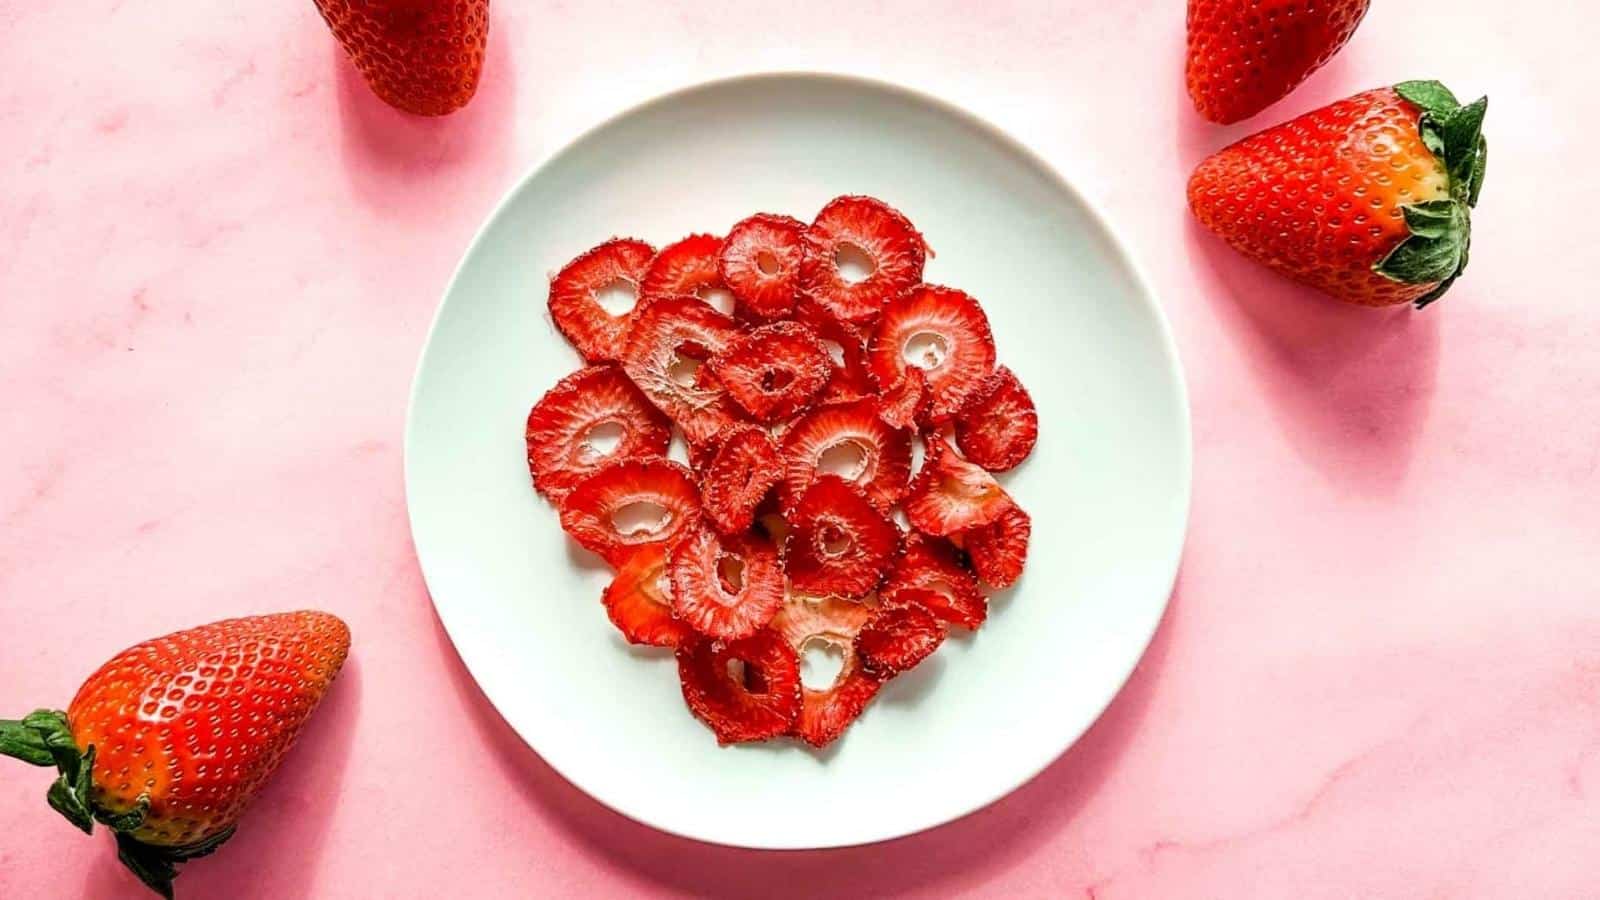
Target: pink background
[1380,673]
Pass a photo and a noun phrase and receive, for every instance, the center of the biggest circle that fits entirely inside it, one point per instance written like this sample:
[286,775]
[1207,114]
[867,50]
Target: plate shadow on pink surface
[273,853]
[962,854]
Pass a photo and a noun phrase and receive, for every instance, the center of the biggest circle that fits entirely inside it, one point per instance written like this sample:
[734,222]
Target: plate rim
[1125,256]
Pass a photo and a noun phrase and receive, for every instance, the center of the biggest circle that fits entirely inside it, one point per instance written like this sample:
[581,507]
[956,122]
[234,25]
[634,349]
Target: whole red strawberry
[1368,199]
[1245,55]
[422,56]
[168,742]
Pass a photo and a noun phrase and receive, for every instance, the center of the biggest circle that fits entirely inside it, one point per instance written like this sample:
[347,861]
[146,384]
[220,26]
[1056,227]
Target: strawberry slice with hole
[849,379]
[932,568]
[950,494]
[669,340]
[745,690]
[725,587]
[688,268]
[998,426]
[819,630]
[908,401]
[591,417]
[860,252]
[898,637]
[942,331]
[1000,549]
[639,601]
[773,372]
[630,504]
[760,263]
[592,297]
[744,467]
[852,441]
[838,543]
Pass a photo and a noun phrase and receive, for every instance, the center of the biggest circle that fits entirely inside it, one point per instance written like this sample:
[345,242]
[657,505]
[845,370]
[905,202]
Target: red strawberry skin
[1350,198]
[1245,55]
[420,56]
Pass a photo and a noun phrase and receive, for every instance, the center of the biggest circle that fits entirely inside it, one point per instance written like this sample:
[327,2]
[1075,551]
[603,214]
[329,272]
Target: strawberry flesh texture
[1000,549]
[423,57]
[687,268]
[743,468]
[1245,55]
[951,494]
[998,426]
[560,427]
[825,713]
[760,263]
[668,342]
[908,401]
[949,337]
[874,455]
[838,543]
[639,600]
[849,378]
[886,238]
[756,699]
[898,637]
[930,568]
[597,334]
[708,600]
[774,371]
[590,512]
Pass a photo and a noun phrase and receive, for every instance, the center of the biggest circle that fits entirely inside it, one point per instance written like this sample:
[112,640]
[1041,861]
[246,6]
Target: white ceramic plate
[1108,485]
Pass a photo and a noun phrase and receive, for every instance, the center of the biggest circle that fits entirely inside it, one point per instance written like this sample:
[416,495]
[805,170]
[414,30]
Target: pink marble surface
[1380,673]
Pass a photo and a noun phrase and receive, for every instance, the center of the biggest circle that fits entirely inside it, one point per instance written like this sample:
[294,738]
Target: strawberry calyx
[43,738]
[1441,230]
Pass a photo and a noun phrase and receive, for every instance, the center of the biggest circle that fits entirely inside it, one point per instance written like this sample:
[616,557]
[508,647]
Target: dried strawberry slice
[849,378]
[574,303]
[839,543]
[898,637]
[688,268]
[1000,548]
[668,341]
[639,600]
[774,371]
[850,440]
[825,712]
[950,494]
[908,401]
[930,568]
[744,467]
[942,331]
[629,504]
[571,426]
[867,234]
[746,690]
[725,587]
[760,263]
[998,426]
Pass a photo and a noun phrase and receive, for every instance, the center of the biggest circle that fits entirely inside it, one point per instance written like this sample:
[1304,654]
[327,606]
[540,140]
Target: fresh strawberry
[865,232]
[839,543]
[744,467]
[849,378]
[1245,55]
[760,263]
[941,331]
[566,427]
[773,371]
[630,504]
[668,342]
[688,268]
[1368,199]
[724,587]
[907,401]
[574,304]
[950,494]
[169,741]
[850,440]
[745,690]
[420,56]
[639,600]
[998,426]
[826,712]
[1000,548]
[899,636]
[929,568]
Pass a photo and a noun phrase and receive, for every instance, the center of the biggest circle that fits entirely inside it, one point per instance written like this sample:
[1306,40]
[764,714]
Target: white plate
[1108,485]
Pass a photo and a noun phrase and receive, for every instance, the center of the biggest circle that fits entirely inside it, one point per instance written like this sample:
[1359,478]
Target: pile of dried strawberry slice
[799,521]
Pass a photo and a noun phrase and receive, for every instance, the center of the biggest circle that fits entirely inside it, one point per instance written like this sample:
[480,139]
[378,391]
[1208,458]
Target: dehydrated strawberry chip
[743,468]
[688,268]
[574,296]
[850,440]
[849,378]
[898,637]
[838,543]
[826,711]
[859,252]
[1000,548]
[931,567]
[942,331]
[725,587]
[908,401]
[669,340]
[745,690]
[773,372]
[592,417]
[760,263]
[639,600]
[950,494]
[998,426]
[630,504]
